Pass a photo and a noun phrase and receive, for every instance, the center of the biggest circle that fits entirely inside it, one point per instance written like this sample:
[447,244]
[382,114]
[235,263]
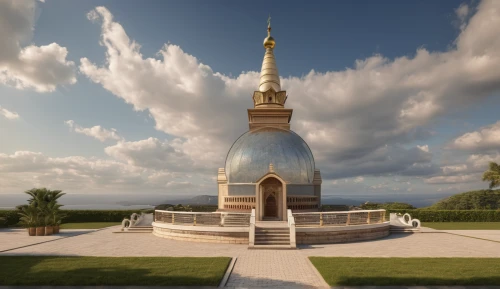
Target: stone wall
[341,235]
[202,236]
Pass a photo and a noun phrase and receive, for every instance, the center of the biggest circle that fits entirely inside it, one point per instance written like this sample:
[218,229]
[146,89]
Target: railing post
[321,219]
[173,218]
[222,218]
[194,220]
[368,220]
[251,230]
[348,219]
[383,217]
[291,225]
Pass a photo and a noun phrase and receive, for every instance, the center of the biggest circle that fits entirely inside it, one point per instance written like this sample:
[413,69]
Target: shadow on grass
[99,271]
[416,281]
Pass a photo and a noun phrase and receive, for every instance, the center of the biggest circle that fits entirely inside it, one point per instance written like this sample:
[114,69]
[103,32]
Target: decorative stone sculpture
[404,223]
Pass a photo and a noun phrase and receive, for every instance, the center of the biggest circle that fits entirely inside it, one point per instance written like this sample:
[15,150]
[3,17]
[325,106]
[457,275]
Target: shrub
[11,218]
[188,208]
[75,216]
[473,200]
[84,216]
[426,215]
[387,206]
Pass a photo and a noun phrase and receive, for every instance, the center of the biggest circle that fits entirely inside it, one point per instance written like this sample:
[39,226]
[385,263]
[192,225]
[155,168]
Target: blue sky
[396,122]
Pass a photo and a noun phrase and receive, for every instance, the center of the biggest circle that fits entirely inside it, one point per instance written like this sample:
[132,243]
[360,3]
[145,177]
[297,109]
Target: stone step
[272,247]
[272,230]
[286,240]
[404,230]
[236,221]
[272,243]
[272,235]
[135,231]
[272,238]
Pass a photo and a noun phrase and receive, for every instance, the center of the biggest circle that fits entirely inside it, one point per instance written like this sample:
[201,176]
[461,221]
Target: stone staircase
[267,237]
[140,229]
[399,229]
[137,229]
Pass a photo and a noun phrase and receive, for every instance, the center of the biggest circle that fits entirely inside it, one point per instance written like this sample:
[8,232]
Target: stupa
[269,168]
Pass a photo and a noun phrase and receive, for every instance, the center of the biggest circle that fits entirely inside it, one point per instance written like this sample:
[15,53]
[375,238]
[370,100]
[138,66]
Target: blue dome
[249,157]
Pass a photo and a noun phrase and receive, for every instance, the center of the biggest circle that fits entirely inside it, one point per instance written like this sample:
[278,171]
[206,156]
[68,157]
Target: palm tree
[29,216]
[45,203]
[492,175]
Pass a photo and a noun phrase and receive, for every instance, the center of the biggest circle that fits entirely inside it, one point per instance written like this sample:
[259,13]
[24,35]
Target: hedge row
[82,216]
[11,217]
[425,215]
[76,216]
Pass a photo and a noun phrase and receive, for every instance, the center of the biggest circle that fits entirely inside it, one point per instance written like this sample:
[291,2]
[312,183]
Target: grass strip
[96,225]
[462,225]
[100,271]
[408,271]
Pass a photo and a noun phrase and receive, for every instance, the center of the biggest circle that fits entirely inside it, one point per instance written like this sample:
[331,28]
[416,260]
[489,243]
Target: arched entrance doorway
[272,198]
[271,206]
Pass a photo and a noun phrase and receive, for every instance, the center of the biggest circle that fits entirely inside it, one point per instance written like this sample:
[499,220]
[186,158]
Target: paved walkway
[493,235]
[254,268]
[412,245]
[17,238]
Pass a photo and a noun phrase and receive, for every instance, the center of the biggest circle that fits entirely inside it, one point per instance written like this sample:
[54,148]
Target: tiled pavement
[493,235]
[17,238]
[255,268]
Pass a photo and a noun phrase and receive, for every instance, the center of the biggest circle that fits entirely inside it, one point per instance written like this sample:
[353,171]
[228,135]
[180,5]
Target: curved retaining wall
[232,235]
[332,235]
[304,235]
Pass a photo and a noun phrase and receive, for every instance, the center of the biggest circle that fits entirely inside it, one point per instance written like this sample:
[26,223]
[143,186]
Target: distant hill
[474,200]
[203,200]
[332,200]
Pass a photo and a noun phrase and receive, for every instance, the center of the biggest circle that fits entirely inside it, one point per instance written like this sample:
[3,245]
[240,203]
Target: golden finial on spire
[269,41]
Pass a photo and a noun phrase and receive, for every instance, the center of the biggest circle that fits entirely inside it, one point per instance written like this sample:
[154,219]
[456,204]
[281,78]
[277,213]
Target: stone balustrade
[302,203]
[239,203]
[346,218]
[222,219]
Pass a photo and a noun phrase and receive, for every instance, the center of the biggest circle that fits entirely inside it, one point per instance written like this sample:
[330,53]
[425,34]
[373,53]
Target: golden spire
[269,40]
[269,77]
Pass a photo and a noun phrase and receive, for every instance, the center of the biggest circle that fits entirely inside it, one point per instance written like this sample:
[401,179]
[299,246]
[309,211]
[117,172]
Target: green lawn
[98,225]
[463,225]
[408,271]
[92,271]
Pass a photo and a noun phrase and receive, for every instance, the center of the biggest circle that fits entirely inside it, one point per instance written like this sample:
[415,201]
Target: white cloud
[453,169]
[453,179]
[358,180]
[379,186]
[462,13]
[424,148]
[151,153]
[41,68]
[486,138]
[96,132]
[26,169]
[479,162]
[10,115]
[375,106]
